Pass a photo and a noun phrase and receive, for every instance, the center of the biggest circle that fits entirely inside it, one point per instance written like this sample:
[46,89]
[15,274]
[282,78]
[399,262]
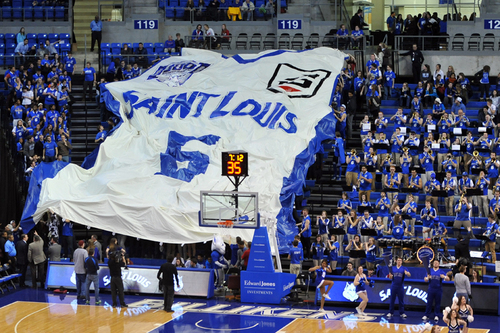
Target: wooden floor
[337,326]
[43,317]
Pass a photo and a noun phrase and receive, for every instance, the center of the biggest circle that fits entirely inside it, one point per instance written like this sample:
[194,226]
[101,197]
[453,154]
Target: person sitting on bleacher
[343,37]
[429,95]
[357,37]
[457,106]
[405,96]
[438,109]
[482,200]
[428,215]
[410,209]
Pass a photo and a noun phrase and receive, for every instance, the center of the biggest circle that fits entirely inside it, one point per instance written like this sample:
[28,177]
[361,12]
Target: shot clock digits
[235,164]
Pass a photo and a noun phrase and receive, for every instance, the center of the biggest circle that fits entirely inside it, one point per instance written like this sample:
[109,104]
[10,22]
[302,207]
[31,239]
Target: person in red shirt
[246,256]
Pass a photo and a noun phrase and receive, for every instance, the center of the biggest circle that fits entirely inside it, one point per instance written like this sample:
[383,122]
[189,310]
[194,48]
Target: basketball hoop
[224,227]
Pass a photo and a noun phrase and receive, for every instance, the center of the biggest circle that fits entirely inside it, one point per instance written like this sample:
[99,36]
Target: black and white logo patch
[296,82]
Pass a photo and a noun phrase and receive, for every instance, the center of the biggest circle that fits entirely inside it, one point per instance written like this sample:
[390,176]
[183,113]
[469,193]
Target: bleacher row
[110,51]
[24,10]
[174,9]
[8,45]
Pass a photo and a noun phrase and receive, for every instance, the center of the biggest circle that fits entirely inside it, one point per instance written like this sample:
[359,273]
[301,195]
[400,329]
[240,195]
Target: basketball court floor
[30,310]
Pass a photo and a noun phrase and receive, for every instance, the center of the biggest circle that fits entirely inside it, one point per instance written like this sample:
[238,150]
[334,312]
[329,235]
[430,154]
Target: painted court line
[224,329]
[17,324]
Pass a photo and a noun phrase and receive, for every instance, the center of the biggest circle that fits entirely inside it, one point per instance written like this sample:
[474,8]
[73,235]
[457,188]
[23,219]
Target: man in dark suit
[358,20]
[36,258]
[22,258]
[166,277]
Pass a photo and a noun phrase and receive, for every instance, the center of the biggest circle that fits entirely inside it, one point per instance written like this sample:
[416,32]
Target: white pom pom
[427,327]
[447,309]
[470,319]
[455,300]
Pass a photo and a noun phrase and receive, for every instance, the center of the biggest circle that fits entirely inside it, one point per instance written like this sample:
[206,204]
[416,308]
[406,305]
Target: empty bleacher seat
[313,41]
[255,41]
[489,42]
[31,38]
[150,51]
[65,38]
[158,47]
[2,38]
[10,39]
[9,59]
[10,48]
[284,41]
[42,38]
[2,48]
[65,48]
[49,12]
[458,42]
[7,12]
[269,42]
[17,13]
[297,41]
[474,42]
[116,48]
[59,13]
[38,12]
[53,38]
[241,41]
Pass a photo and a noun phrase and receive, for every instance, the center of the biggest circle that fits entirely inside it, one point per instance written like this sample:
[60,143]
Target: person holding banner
[322,284]
[435,277]
[397,287]
[360,281]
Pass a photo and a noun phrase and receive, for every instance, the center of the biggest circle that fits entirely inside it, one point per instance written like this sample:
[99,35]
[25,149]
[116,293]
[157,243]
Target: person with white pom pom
[454,321]
[360,281]
[429,327]
[435,279]
[464,310]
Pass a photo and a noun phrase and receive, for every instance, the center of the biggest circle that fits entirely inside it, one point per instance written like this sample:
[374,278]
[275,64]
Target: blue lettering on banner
[177,73]
[197,163]
[268,115]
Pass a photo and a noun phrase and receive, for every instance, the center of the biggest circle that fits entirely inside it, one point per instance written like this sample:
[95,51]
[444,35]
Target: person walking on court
[92,267]
[36,258]
[397,287]
[96,28]
[166,276]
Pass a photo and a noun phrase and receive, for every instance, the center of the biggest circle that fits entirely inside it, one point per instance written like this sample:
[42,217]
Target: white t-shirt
[26,97]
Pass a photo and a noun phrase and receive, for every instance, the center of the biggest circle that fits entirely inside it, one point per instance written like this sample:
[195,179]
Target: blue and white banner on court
[177,119]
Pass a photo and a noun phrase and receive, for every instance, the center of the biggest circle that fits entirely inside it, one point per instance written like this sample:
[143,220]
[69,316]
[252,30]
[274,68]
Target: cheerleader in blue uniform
[464,310]
[323,285]
[360,281]
[454,321]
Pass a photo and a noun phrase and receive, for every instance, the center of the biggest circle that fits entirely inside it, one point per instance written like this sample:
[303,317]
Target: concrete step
[144,10]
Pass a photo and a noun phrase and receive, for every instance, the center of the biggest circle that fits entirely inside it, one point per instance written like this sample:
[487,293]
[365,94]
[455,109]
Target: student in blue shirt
[96,28]
[317,250]
[484,81]
[357,38]
[462,219]
[410,208]
[343,37]
[136,71]
[49,150]
[89,80]
[434,291]
[345,203]
[491,232]
[101,135]
[365,180]
[428,215]
[383,205]
[397,287]
[483,184]
[169,45]
[389,79]
[334,247]
[69,64]
[296,256]
[323,222]
[352,170]
[371,253]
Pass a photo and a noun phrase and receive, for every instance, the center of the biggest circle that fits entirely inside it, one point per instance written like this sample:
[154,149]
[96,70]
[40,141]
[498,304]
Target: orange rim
[225,224]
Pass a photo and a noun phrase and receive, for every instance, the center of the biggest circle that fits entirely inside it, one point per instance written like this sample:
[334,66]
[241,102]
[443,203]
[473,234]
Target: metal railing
[457,42]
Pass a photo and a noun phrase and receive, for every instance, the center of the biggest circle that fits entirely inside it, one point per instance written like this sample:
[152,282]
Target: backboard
[241,208]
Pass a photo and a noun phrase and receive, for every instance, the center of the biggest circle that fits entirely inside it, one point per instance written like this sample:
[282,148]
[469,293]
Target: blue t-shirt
[89,73]
[427,220]
[383,210]
[492,228]
[320,249]
[389,77]
[371,255]
[438,229]
[323,226]
[413,205]
[463,214]
[67,229]
[50,148]
[492,169]
[345,202]
[358,83]
[70,64]
[17,111]
[435,281]
[334,253]
[364,185]
[353,166]
[485,79]
[296,255]
[170,44]
[398,276]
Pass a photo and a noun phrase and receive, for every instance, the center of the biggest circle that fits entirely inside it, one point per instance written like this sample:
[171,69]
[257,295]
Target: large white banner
[178,118]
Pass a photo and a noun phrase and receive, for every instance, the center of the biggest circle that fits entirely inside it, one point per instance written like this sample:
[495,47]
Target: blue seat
[9,59]
[7,12]
[42,38]
[10,48]
[38,12]
[57,47]
[159,47]
[28,13]
[65,48]
[150,50]
[2,38]
[175,54]
[17,13]
[65,37]
[31,38]
[31,45]
[49,13]
[105,48]
[59,13]
[17,3]
[2,48]
[161,4]
[135,46]
[169,12]
[2,60]
[116,48]
[10,38]
[53,38]
[106,58]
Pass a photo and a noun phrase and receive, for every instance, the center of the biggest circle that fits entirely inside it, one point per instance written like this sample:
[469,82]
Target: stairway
[84,11]
[84,121]
[144,6]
